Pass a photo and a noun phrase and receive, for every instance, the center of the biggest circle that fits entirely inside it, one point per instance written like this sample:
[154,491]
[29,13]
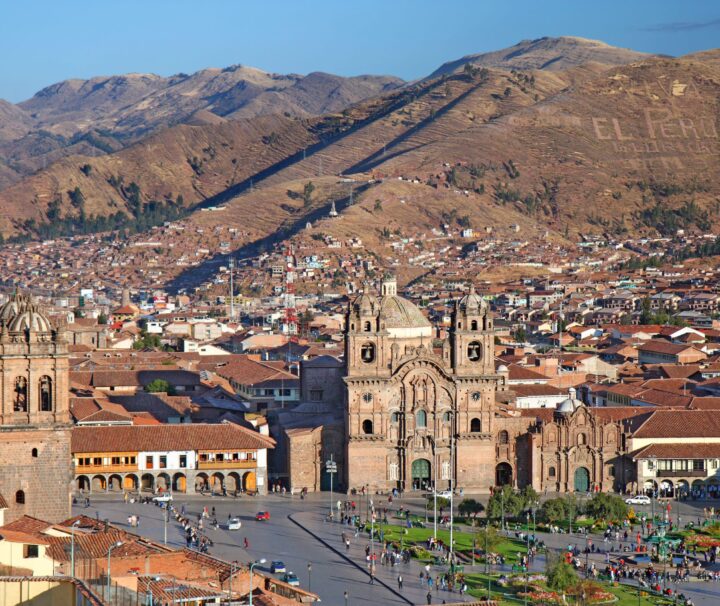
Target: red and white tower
[290,321]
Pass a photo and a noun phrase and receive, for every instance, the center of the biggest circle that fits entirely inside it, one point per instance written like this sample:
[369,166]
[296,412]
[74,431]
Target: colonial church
[36,464]
[421,411]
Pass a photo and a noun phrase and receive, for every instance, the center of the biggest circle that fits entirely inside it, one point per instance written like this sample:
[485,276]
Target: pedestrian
[246,543]
[429,597]
[400,582]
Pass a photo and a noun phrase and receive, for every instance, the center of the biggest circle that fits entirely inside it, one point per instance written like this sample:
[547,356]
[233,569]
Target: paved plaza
[299,534]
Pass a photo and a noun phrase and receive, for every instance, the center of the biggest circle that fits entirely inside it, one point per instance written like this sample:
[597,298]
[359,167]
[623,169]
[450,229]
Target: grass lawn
[463,540]
[627,596]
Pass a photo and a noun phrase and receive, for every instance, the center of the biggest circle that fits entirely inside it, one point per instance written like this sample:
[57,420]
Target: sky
[45,41]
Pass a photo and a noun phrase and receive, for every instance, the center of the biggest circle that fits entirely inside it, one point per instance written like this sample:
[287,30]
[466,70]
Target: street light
[527,561]
[345,595]
[113,546]
[148,594]
[260,561]
[309,567]
[72,546]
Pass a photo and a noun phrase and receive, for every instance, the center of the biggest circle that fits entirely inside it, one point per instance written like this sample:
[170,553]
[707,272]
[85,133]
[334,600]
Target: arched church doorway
[503,474]
[582,480]
[420,474]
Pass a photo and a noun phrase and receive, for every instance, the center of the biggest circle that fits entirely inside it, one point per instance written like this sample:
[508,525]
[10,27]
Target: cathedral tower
[36,463]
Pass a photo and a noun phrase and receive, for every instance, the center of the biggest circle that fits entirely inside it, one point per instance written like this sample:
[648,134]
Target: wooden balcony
[228,464]
[91,469]
[679,473]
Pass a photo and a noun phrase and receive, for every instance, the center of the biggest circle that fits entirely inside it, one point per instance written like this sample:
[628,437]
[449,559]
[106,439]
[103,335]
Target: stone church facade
[36,465]
[419,412]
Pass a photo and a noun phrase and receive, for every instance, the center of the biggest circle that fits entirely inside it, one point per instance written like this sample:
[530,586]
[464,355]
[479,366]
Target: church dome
[365,304]
[30,319]
[569,405]
[12,308]
[472,302]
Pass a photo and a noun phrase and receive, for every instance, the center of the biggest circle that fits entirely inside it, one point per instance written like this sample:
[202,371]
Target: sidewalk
[412,592]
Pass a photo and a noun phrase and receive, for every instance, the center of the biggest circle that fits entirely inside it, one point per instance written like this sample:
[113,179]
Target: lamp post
[149,599]
[165,521]
[309,567]
[487,558]
[502,510]
[260,561]
[452,484]
[113,546]
[72,546]
[345,595]
[527,562]
[232,572]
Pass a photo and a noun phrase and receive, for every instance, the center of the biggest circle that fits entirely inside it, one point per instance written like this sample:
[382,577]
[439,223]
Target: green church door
[582,480]
[420,474]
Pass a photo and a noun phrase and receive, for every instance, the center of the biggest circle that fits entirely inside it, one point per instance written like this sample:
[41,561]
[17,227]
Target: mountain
[104,114]
[593,148]
[545,53]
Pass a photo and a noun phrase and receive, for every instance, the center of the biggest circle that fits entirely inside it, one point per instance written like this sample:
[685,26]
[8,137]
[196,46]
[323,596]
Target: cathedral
[36,466]
[421,411]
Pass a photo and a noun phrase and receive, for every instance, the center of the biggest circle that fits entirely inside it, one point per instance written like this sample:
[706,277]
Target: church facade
[419,412]
[36,466]
[423,412]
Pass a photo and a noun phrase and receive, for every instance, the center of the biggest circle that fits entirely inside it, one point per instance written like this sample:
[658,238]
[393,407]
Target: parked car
[234,524]
[262,515]
[163,498]
[640,499]
[277,566]
[445,494]
[291,579]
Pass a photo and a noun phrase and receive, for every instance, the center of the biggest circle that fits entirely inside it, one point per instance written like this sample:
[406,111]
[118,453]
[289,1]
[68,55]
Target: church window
[31,551]
[445,470]
[34,453]
[367,326]
[475,425]
[20,497]
[367,397]
[395,417]
[46,399]
[20,404]
[473,325]
[421,418]
[475,396]
[367,353]
[316,395]
[446,417]
[503,437]
[394,471]
[367,427]
[581,439]
[551,472]
[474,351]
[611,471]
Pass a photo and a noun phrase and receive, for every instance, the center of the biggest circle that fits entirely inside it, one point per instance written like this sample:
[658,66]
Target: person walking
[400,582]
[429,597]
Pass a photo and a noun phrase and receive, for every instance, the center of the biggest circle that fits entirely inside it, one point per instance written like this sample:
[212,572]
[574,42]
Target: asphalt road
[276,539]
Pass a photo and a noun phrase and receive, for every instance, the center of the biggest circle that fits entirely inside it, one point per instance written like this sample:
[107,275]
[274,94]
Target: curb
[347,559]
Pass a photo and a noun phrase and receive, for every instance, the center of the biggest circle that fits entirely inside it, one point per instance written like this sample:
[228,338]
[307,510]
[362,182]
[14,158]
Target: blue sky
[42,41]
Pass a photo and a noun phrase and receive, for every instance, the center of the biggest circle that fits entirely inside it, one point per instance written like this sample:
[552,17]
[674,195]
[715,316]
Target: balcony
[687,473]
[227,464]
[86,469]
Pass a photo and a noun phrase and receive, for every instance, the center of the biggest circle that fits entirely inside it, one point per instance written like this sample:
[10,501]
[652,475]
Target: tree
[559,509]
[646,315]
[470,507]
[160,386]
[441,502]
[307,193]
[510,501]
[561,575]
[608,507]
[488,538]
[378,205]
[102,319]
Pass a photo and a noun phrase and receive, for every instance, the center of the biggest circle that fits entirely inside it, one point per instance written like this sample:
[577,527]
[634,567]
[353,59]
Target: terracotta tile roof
[656,397]
[678,371]
[537,389]
[680,424]
[196,436]
[664,347]
[245,371]
[521,373]
[679,450]
[27,524]
[3,502]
